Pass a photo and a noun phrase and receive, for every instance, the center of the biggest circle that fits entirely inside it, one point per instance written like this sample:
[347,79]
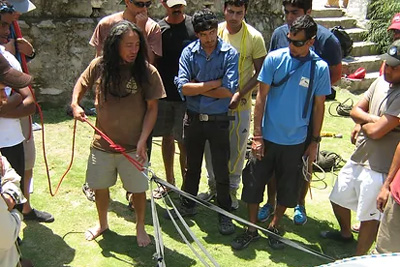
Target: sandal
[160,192]
[355,228]
[337,236]
[89,193]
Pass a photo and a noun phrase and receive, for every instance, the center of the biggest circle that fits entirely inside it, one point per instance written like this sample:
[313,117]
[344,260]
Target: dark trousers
[195,135]
[16,157]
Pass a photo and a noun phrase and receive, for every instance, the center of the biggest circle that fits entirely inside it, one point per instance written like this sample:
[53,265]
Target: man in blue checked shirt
[208,77]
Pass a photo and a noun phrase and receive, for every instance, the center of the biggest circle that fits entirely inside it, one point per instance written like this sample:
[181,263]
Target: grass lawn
[62,243]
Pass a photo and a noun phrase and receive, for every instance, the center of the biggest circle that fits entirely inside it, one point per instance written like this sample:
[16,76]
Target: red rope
[117,147]
[25,69]
[24,65]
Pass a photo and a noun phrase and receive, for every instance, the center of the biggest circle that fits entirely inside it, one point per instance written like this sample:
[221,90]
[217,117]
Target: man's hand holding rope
[78,112]
[141,151]
[257,147]
[311,155]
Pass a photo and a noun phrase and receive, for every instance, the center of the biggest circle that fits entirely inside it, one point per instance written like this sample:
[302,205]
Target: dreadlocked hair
[111,62]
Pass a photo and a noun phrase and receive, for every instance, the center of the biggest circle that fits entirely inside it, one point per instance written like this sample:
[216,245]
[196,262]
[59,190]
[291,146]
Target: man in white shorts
[360,180]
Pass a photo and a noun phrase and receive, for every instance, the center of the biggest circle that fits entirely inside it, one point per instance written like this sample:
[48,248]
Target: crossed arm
[211,88]
[18,105]
[374,127]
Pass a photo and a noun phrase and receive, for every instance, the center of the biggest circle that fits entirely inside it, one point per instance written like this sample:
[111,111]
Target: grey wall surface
[61,29]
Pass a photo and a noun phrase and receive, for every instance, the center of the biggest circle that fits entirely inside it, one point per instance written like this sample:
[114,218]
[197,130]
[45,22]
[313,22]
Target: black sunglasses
[297,43]
[7,9]
[141,4]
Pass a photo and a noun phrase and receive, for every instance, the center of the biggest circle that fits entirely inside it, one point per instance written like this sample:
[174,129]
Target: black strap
[287,76]
[309,90]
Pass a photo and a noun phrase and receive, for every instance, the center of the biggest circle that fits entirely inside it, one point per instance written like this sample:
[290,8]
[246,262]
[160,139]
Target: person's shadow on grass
[311,232]
[122,211]
[113,243]
[44,248]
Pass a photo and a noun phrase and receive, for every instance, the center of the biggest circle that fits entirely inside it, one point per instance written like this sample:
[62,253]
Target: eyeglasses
[298,43]
[6,9]
[395,31]
[141,4]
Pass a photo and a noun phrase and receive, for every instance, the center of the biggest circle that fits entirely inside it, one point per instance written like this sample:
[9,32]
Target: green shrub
[380,14]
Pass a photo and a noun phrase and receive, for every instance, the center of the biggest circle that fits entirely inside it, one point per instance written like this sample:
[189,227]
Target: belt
[213,117]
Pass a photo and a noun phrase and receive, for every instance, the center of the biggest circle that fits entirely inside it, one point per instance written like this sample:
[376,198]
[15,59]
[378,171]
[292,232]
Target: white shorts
[356,188]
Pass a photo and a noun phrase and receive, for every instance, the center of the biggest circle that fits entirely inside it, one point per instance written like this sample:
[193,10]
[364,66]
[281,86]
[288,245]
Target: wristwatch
[316,139]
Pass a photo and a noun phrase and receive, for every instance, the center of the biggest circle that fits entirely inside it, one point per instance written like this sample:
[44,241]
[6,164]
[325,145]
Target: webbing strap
[190,232]
[159,255]
[286,78]
[232,216]
[309,89]
[215,208]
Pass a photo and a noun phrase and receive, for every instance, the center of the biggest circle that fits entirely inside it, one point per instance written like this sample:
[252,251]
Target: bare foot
[94,232]
[142,237]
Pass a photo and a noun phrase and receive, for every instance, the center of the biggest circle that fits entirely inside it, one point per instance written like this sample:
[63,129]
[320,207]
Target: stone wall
[60,31]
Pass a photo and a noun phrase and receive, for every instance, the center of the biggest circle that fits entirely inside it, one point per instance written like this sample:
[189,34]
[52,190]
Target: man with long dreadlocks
[127,89]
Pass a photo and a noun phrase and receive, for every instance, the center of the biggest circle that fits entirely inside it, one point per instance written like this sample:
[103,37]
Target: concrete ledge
[345,22]
[371,63]
[359,85]
[356,34]
[324,13]
[364,49]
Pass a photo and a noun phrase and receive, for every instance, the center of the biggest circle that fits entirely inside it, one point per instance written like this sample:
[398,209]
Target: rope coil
[343,109]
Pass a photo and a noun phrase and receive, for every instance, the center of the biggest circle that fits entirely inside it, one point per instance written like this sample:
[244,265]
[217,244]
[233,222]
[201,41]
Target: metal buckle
[203,117]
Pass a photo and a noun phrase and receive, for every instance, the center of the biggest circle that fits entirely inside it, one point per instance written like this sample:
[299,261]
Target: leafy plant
[380,14]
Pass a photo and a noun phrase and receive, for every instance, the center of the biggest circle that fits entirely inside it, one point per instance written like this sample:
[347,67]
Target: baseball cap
[392,57]
[172,3]
[12,77]
[22,6]
[395,25]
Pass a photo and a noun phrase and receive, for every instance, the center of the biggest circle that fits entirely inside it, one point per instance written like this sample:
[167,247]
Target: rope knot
[117,148]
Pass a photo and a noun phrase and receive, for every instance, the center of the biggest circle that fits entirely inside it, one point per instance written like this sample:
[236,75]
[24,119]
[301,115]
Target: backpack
[344,38]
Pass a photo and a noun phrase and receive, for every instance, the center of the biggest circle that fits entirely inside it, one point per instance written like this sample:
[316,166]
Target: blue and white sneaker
[265,212]
[300,215]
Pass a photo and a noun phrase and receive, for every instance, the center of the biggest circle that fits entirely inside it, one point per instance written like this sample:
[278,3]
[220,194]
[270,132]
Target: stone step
[358,85]
[325,13]
[370,63]
[356,34]
[364,49]
[330,22]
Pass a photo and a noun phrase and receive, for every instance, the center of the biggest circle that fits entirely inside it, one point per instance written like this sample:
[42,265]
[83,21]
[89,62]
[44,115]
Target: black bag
[327,161]
[344,38]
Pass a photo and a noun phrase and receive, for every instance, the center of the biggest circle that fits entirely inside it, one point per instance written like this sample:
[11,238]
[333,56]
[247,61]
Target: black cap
[392,57]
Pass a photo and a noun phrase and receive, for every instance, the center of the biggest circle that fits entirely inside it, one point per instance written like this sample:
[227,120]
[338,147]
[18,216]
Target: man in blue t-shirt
[293,81]
[208,77]
[327,47]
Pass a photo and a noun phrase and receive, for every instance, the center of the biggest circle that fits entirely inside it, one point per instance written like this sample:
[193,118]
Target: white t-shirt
[10,129]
